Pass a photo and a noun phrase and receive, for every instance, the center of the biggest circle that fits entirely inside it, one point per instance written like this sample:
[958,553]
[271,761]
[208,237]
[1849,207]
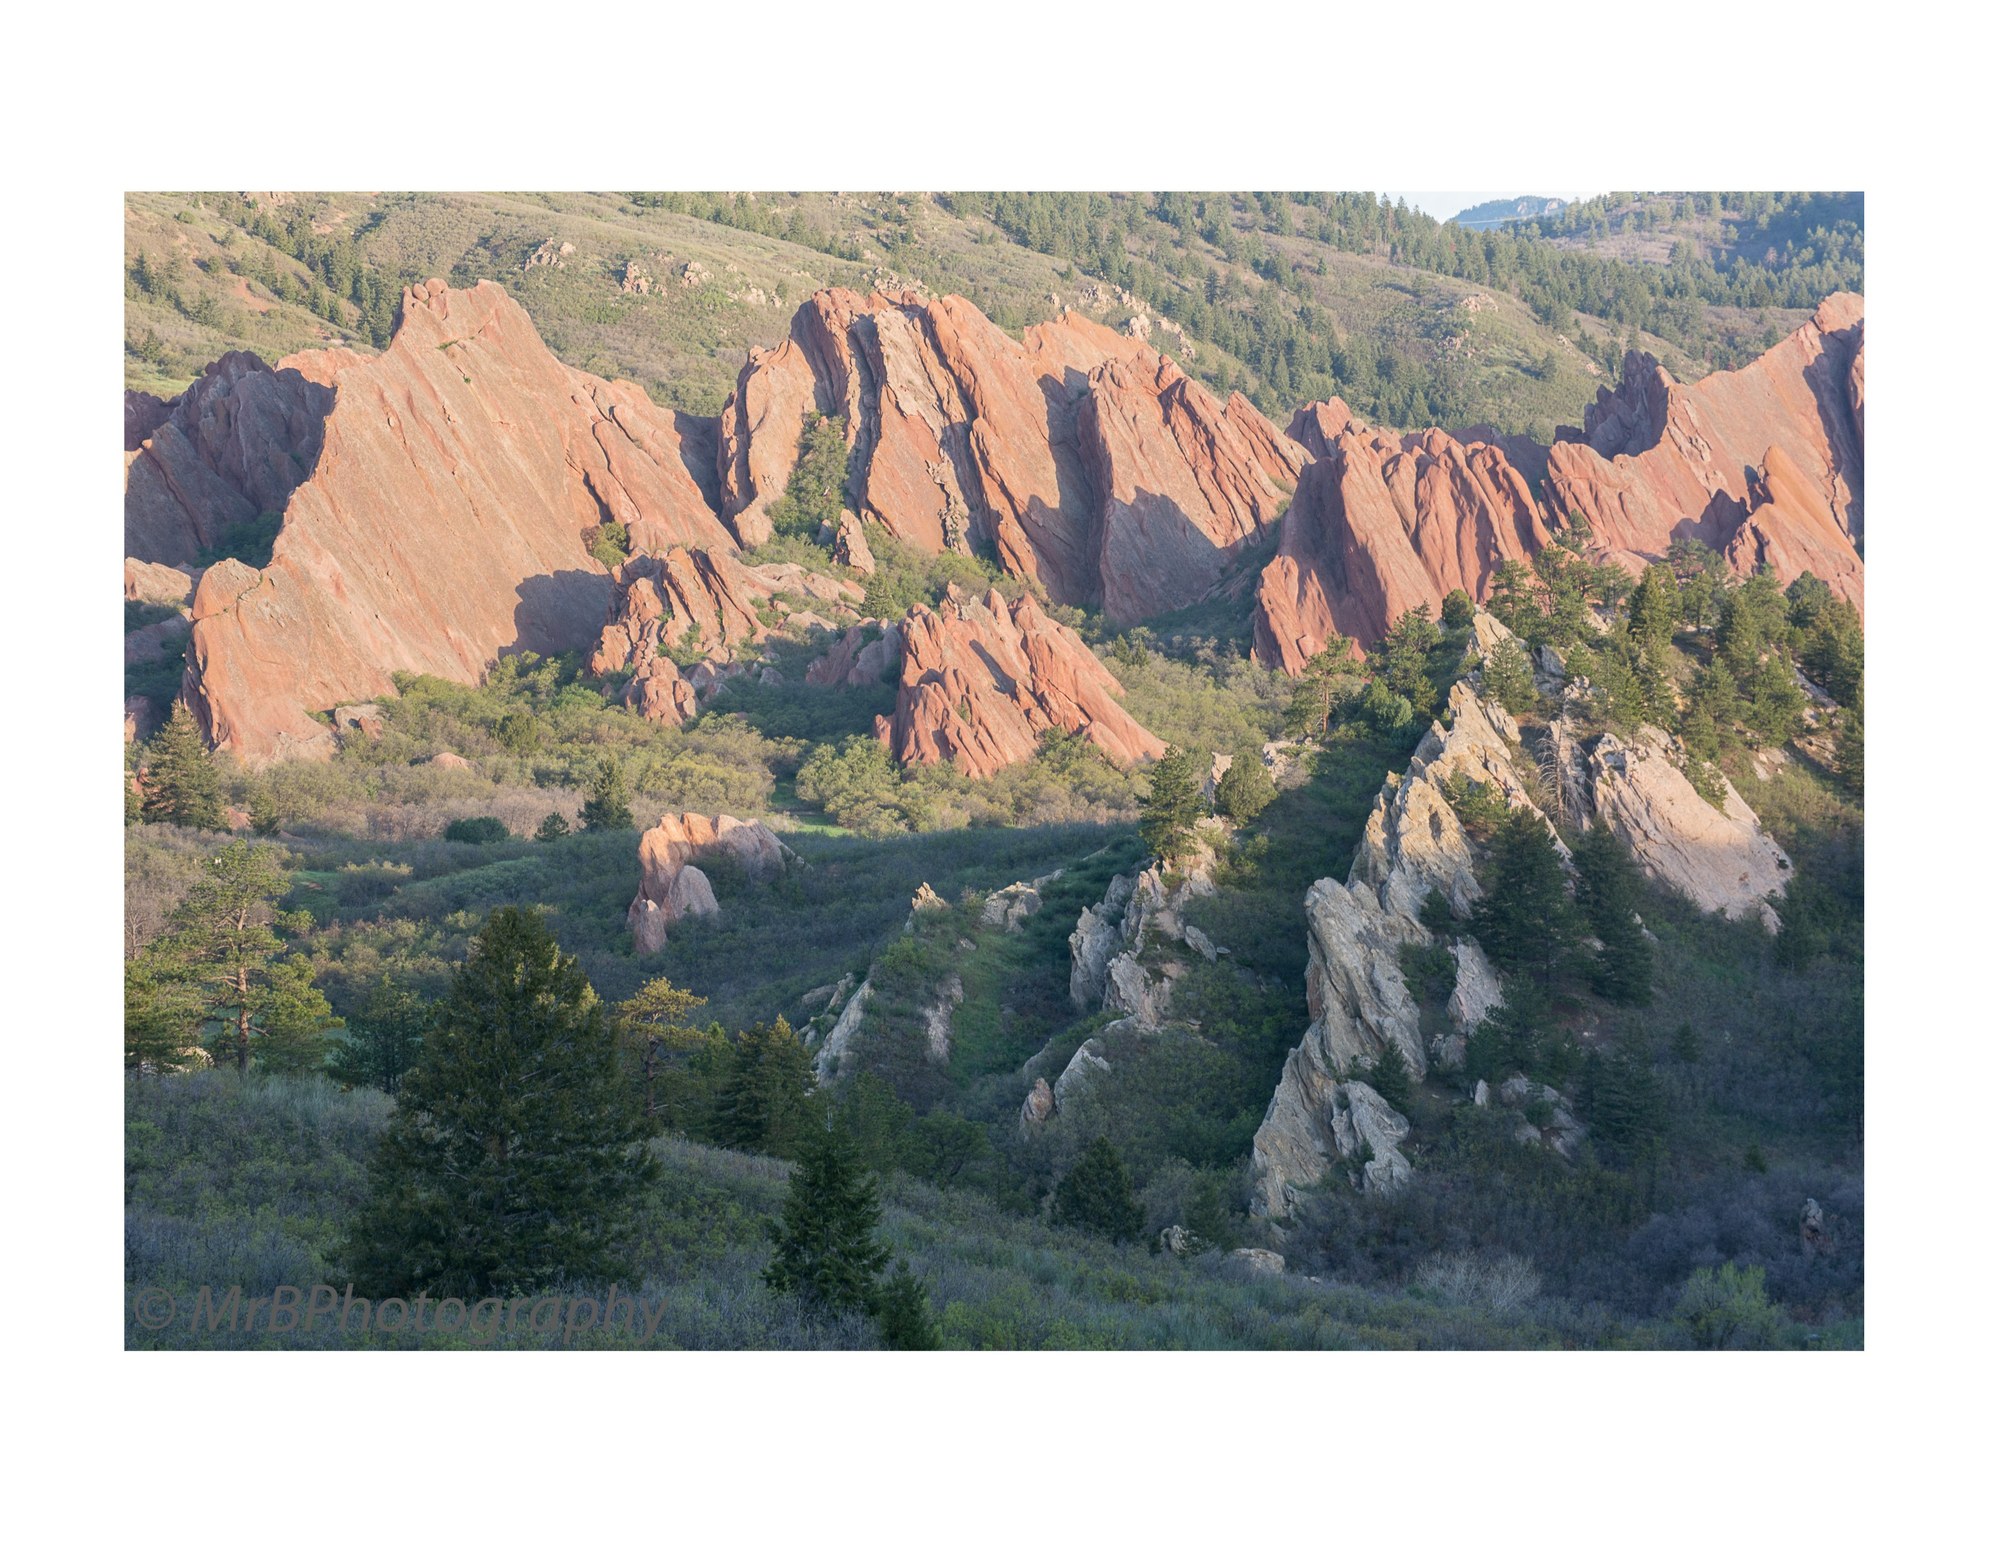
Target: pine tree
[1525,917]
[1097,1195]
[1655,610]
[384,1042]
[655,1020]
[1170,807]
[180,781]
[1390,1077]
[223,950]
[764,1106]
[1508,679]
[1513,1035]
[903,1314]
[517,1158]
[606,809]
[1457,610]
[1627,1108]
[826,1249]
[1328,679]
[1607,893]
[553,828]
[1245,791]
[158,1014]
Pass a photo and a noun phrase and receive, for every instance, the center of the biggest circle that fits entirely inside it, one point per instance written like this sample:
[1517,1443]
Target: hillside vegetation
[1290,297]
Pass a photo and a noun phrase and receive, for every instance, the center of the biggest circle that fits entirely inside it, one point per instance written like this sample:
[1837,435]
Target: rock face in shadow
[1078,457]
[1763,463]
[457,480]
[227,451]
[1381,524]
[705,603]
[983,680]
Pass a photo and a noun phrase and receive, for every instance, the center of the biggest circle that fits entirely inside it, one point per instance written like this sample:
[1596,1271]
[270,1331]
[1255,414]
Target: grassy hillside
[1287,296]
[250,1184]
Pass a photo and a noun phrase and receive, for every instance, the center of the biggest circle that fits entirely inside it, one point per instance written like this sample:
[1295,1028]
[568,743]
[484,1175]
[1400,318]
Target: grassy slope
[249,1184]
[685,345]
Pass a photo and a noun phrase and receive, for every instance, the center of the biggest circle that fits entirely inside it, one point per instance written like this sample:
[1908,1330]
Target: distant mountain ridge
[1504,211]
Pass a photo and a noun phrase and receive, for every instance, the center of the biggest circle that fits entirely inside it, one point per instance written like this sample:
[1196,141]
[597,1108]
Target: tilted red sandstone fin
[1078,457]
[1380,524]
[1777,444]
[445,521]
[1762,463]
[228,450]
[983,680]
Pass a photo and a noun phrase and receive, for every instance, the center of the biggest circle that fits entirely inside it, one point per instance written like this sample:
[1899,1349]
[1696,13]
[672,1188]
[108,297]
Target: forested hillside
[1290,297]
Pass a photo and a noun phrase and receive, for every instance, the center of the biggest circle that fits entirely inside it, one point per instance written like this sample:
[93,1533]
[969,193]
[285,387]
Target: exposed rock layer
[1079,457]
[672,887]
[983,680]
[453,488]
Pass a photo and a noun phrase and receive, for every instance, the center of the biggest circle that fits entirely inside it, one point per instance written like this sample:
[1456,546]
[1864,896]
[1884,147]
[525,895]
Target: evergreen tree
[384,1042]
[1850,748]
[764,1103]
[1776,708]
[1513,1036]
[1655,611]
[553,828]
[826,1249]
[1625,1105]
[1402,661]
[1508,679]
[606,809]
[264,818]
[1245,790]
[903,1314]
[1097,1195]
[517,1158]
[1457,610]
[655,1020]
[1328,679]
[1170,807]
[158,1014]
[1607,893]
[180,781]
[223,951]
[1390,1077]
[1525,918]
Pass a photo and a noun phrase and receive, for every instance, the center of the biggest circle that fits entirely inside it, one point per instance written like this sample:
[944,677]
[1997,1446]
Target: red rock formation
[983,680]
[1181,487]
[1376,529]
[671,887]
[452,488]
[863,656]
[229,449]
[158,583]
[703,602]
[1657,460]
[1078,456]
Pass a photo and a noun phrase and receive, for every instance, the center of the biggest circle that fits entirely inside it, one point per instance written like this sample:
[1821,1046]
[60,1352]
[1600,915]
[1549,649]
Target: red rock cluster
[227,451]
[1078,457]
[453,486]
[1381,524]
[706,603]
[983,680]
[440,502]
[1762,463]
[671,887]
